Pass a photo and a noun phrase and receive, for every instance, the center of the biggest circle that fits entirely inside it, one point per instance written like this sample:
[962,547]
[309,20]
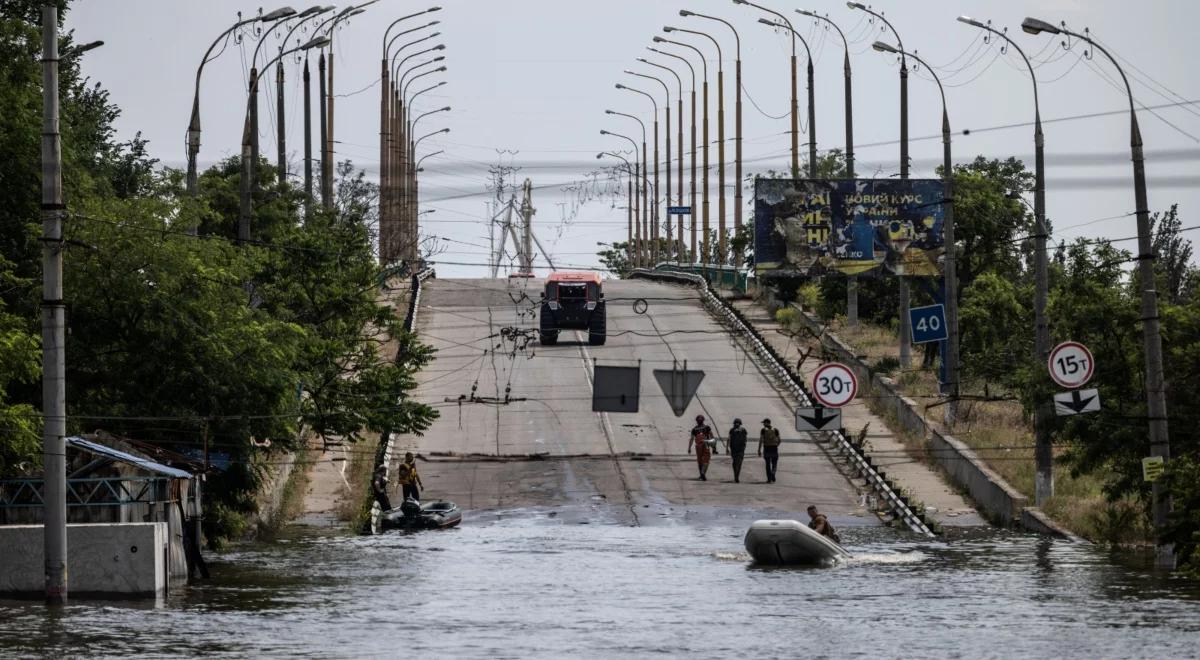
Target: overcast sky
[535,76]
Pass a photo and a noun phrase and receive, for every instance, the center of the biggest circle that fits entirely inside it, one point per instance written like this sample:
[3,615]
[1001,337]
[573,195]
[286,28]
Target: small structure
[110,485]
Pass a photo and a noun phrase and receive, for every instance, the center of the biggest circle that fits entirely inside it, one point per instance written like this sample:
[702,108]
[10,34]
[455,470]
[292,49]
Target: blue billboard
[854,226]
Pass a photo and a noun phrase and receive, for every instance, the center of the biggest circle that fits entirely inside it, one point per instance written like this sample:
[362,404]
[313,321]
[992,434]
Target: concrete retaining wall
[120,560]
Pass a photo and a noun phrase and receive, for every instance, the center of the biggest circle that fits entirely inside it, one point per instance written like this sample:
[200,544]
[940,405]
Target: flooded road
[539,584]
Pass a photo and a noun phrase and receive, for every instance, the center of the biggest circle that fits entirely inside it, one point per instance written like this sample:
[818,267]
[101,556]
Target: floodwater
[538,584]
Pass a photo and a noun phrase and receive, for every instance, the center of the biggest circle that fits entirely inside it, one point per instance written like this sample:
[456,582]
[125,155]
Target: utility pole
[527,212]
[327,157]
[385,138]
[326,197]
[308,173]
[54,391]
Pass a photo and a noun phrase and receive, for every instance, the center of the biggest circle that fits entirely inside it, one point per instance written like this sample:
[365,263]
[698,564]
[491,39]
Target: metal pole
[327,161]
[644,251]
[707,250]
[722,239]
[692,217]
[308,170]
[679,250]
[657,203]
[385,137]
[254,127]
[812,121]
[326,202]
[54,392]
[280,128]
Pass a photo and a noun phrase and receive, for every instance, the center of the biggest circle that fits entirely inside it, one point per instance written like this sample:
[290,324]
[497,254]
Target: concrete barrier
[104,560]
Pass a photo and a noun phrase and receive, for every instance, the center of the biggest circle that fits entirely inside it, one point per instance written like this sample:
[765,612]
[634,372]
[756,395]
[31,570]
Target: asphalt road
[548,449]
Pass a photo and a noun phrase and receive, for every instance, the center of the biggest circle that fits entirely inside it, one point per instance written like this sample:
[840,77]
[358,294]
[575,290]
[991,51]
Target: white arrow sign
[818,419]
[1077,402]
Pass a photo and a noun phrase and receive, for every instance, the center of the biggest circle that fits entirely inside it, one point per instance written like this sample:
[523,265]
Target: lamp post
[851,280]
[705,251]
[194,123]
[408,220]
[327,146]
[680,252]
[658,223]
[651,232]
[629,201]
[795,96]
[737,122]
[1043,450]
[280,123]
[245,207]
[643,232]
[640,176]
[1156,400]
[721,238]
[812,104]
[951,275]
[905,331]
[692,215]
[398,140]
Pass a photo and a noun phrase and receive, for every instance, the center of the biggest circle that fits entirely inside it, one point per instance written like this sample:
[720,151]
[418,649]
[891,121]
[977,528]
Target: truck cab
[572,301]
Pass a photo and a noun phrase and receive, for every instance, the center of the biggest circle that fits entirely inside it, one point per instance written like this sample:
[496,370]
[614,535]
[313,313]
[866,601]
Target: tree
[615,258]
[1173,255]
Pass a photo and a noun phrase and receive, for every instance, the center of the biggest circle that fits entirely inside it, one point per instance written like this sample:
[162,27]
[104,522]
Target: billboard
[853,226]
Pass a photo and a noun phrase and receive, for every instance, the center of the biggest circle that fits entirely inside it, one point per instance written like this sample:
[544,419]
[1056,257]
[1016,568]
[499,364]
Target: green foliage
[995,317]
[808,295]
[786,316]
[1183,477]
[615,258]
[20,353]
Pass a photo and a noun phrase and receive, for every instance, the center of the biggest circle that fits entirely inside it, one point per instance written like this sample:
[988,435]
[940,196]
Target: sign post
[834,385]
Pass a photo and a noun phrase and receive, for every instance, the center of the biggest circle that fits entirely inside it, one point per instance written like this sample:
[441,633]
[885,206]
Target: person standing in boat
[737,448]
[379,486]
[700,437]
[410,481]
[768,448]
[820,524]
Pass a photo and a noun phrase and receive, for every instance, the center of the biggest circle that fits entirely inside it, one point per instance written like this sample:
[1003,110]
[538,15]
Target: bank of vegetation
[173,338]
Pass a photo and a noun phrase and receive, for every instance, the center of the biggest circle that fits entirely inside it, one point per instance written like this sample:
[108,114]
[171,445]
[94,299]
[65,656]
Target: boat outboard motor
[411,508]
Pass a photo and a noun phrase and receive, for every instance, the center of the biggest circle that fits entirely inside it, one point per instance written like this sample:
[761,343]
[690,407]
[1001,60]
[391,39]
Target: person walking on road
[700,436]
[410,481]
[737,448]
[768,448]
[379,486]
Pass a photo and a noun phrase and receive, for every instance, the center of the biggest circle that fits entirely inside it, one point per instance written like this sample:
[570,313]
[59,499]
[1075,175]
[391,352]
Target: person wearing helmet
[700,436]
[768,448]
[737,448]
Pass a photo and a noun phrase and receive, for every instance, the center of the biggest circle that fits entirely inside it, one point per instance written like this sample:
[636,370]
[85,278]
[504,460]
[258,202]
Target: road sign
[928,324]
[1152,468]
[1077,402]
[679,385]
[679,210]
[1071,364]
[616,389]
[834,385]
[818,419]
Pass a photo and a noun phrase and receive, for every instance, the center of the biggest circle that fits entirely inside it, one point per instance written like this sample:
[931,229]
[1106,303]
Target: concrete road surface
[638,461]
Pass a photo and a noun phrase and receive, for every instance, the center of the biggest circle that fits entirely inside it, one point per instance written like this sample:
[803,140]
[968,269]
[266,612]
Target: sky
[528,83]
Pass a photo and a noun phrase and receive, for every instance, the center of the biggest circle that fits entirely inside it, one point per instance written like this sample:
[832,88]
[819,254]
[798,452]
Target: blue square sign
[928,324]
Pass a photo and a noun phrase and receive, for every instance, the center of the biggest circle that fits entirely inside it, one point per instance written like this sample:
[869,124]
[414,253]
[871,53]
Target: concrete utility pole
[905,331]
[280,125]
[629,200]
[54,382]
[705,245]
[323,119]
[1156,398]
[527,212]
[650,232]
[812,103]
[692,216]
[1044,411]
[680,250]
[308,171]
[795,96]
[658,224]
[852,280]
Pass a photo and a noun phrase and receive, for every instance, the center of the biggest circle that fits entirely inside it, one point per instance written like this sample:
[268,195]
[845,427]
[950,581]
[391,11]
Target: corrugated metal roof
[118,455]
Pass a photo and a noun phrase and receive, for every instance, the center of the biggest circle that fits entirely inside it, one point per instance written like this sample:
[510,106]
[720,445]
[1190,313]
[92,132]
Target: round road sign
[1071,364]
[834,385]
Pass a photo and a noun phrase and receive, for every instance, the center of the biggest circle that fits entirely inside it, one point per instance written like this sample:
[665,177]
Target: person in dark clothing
[700,437]
[820,524]
[410,481]
[768,448]
[737,447]
[379,486]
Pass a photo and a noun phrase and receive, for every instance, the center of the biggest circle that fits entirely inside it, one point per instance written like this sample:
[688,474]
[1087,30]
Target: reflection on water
[527,585]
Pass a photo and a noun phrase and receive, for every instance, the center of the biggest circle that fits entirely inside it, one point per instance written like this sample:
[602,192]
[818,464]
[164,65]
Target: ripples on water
[529,586]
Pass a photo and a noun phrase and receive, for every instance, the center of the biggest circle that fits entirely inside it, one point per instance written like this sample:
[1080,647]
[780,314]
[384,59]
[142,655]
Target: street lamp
[721,240]
[1043,451]
[658,224]
[644,182]
[737,130]
[692,206]
[651,236]
[795,98]
[193,131]
[408,150]
[1156,400]
[280,123]
[704,152]
[629,200]
[643,228]
[812,104]
[951,275]
[247,161]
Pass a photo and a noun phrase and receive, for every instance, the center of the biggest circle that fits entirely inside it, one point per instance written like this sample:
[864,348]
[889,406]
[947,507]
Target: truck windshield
[572,292]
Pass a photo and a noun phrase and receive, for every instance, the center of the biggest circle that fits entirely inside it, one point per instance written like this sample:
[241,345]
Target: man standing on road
[737,448]
[768,448]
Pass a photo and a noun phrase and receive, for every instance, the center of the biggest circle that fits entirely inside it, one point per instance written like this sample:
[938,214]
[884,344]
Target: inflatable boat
[414,515]
[790,542]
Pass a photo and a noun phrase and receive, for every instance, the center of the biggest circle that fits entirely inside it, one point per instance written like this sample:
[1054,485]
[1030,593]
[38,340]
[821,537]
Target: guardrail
[856,456]
[383,455]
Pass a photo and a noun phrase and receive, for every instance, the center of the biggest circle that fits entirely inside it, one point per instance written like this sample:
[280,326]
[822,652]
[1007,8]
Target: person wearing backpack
[700,437]
[737,447]
[768,448]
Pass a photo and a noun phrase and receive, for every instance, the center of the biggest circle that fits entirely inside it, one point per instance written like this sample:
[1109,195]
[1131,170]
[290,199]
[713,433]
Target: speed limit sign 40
[834,385]
[1071,364]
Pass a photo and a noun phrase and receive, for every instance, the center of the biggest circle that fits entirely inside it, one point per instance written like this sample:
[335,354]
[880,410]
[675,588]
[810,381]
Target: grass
[1000,433]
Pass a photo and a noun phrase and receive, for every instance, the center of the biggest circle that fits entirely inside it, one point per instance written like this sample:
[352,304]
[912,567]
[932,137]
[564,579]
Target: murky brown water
[530,585]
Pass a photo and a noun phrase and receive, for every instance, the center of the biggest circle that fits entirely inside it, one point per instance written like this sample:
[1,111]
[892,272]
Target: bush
[808,296]
[786,316]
